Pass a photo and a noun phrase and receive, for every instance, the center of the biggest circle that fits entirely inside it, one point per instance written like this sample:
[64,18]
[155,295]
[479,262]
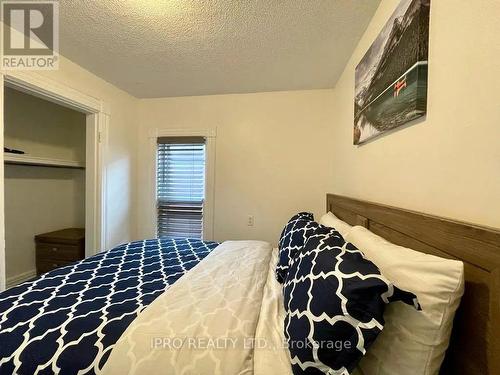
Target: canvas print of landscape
[391,79]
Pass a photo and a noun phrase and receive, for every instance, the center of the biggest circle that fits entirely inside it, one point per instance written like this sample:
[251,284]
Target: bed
[475,343]
[152,303]
[68,320]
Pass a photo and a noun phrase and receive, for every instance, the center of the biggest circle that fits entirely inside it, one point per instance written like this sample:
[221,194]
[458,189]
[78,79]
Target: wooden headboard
[475,344]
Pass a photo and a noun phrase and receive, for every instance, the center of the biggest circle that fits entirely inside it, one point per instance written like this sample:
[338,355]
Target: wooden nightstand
[58,249]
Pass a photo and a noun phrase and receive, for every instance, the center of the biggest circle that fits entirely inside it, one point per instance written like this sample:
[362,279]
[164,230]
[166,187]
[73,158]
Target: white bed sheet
[202,324]
[271,356]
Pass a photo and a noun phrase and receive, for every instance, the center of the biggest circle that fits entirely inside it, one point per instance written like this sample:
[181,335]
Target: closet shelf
[41,162]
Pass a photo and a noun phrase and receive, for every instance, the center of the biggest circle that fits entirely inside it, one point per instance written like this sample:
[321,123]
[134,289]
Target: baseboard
[18,279]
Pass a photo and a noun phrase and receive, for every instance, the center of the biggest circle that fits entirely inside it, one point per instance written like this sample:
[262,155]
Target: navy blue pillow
[335,300]
[292,239]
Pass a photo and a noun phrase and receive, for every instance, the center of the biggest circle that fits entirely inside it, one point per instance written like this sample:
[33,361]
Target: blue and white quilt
[68,320]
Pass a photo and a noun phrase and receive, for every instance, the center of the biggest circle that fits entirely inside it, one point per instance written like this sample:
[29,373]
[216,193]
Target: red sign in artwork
[398,86]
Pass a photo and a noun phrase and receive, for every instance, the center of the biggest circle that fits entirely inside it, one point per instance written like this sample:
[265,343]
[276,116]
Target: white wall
[120,159]
[281,152]
[448,164]
[39,200]
[121,156]
[273,155]
[41,128]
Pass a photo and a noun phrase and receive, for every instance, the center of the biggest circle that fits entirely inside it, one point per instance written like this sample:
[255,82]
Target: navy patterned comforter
[68,320]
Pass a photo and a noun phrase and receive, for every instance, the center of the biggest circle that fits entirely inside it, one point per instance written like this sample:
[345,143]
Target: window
[180,186]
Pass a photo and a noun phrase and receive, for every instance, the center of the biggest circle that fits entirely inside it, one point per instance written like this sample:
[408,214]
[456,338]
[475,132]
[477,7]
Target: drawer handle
[54,249]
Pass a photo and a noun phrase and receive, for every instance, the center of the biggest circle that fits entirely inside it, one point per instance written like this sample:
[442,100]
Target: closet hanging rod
[42,162]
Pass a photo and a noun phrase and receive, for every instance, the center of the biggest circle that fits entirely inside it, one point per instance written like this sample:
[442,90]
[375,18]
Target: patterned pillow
[292,238]
[335,300]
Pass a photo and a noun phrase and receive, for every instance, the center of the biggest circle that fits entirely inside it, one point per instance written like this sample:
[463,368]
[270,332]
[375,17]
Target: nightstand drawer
[44,266]
[58,249]
[46,251]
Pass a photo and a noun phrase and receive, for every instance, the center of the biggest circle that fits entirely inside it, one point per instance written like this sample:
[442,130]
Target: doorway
[96,124]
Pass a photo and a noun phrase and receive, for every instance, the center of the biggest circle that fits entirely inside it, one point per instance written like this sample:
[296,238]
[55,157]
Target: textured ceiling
[159,48]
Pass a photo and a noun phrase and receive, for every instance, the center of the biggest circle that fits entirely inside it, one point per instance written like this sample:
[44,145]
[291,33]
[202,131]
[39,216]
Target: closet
[44,155]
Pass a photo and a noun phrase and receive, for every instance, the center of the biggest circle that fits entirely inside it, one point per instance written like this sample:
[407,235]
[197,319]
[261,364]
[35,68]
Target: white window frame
[97,123]
[210,136]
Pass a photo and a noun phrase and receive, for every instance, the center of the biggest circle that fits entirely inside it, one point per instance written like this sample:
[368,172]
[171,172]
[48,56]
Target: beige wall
[43,129]
[122,151]
[273,155]
[121,155]
[448,164]
[39,200]
[120,159]
[278,153]
[281,152]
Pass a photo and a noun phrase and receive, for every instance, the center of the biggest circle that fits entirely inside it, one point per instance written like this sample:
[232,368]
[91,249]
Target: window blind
[180,187]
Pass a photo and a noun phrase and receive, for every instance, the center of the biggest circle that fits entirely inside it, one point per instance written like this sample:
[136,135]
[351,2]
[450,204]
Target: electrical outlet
[250,221]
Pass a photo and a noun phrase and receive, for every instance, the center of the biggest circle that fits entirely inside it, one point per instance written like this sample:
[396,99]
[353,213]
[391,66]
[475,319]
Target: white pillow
[412,342]
[332,221]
